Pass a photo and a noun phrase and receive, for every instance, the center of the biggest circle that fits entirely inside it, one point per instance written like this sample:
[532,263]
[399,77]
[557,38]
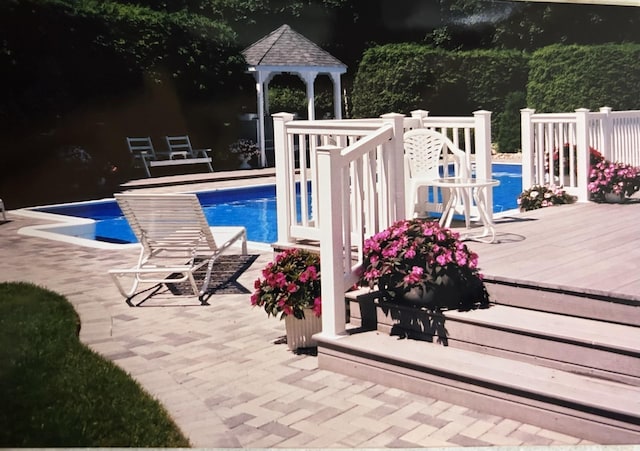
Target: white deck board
[583,246]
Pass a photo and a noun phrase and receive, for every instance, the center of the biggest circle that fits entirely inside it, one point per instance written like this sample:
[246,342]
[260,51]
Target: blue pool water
[253,207]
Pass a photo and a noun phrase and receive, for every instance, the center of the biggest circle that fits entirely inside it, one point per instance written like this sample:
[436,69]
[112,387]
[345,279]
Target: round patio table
[459,188]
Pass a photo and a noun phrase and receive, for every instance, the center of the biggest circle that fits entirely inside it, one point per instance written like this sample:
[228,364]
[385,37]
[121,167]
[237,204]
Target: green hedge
[404,77]
[292,100]
[565,77]
[395,78]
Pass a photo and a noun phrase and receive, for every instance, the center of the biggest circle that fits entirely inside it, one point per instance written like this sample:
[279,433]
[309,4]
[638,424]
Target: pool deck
[228,381]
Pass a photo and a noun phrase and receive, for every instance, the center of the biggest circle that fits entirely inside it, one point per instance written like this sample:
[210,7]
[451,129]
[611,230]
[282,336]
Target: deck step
[605,412]
[556,299]
[583,346]
[579,345]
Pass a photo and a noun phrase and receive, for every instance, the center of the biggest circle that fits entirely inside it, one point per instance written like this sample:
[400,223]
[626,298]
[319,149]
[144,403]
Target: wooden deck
[557,348]
[584,247]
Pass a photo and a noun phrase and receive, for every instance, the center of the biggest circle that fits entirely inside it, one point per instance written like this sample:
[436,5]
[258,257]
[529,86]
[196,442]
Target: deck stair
[572,364]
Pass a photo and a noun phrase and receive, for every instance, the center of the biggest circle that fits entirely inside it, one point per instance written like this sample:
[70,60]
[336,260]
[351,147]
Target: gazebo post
[337,96]
[260,87]
[309,79]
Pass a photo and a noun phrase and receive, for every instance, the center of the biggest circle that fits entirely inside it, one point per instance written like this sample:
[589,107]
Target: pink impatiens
[608,177]
[417,252]
[289,284]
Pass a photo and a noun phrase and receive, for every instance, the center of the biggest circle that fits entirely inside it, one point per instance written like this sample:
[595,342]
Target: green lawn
[56,392]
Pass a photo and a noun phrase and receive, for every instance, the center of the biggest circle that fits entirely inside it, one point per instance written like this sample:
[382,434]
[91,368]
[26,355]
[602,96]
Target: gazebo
[286,51]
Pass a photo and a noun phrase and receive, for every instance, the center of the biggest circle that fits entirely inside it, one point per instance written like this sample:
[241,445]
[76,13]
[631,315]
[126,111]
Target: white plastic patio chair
[182,144]
[424,155]
[175,239]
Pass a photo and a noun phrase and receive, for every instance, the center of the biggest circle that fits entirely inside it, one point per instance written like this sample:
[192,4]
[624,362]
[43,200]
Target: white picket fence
[556,146]
[353,173]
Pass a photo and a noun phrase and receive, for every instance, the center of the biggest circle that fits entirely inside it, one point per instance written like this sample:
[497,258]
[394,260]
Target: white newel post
[420,114]
[395,161]
[607,132]
[582,153]
[482,138]
[284,176]
[331,243]
[526,142]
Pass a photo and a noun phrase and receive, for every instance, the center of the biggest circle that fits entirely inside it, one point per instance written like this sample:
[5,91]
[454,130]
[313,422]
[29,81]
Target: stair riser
[502,401]
[582,358]
[578,305]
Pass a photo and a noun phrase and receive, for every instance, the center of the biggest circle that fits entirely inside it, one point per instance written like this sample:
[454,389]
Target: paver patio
[223,374]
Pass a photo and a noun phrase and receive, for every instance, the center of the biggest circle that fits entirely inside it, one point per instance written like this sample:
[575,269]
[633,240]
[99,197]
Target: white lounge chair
[177,144]
[176,241]
[423,154]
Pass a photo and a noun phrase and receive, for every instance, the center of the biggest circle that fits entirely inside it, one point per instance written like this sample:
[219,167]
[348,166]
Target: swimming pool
[253,207]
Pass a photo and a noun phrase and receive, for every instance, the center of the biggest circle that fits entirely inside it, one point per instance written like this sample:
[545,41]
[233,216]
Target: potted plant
[290,289]
[613,182]
[245,149]
[422,263]
[539,196]
[594,158]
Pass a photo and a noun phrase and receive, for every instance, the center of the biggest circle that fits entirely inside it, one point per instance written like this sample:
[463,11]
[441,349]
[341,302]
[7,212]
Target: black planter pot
[450,294]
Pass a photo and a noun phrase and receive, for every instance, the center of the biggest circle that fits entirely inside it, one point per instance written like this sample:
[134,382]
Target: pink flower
[289,284]
[461,258]
[415,275]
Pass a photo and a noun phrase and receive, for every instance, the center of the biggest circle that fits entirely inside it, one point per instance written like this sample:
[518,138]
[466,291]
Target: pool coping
[75,230]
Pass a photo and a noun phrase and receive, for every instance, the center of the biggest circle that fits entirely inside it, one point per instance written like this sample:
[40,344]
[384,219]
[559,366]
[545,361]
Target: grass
[56,392]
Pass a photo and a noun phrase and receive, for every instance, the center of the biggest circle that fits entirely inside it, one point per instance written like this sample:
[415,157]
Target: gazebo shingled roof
[285,47]
[284,50]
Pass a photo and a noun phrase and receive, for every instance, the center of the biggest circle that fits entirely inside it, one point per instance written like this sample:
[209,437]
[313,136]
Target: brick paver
[223,373]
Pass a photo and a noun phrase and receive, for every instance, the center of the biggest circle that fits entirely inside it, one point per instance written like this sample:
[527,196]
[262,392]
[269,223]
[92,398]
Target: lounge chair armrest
[146,156]
[203,152]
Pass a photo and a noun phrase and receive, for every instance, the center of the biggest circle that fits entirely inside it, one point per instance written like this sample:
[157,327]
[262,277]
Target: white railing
[353,173]
[616,134]
[555,146]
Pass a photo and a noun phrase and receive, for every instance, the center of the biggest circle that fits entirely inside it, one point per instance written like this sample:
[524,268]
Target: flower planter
[244,161]
[300,331]
[418,262]
[614,198]
[399,319]
[448,295]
